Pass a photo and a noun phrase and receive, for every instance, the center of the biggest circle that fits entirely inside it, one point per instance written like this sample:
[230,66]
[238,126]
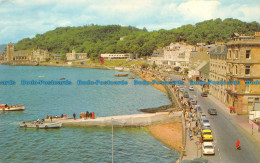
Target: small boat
[5,107]
[62,78]
[41,76]
[130,77]
[40,125]
[121,75]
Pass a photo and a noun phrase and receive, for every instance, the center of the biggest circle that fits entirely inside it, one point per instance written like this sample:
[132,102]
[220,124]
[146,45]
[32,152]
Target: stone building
[74,56]
[177,54]
[40,55]
[243,65]
[217,73]
[20,55]
[9,52]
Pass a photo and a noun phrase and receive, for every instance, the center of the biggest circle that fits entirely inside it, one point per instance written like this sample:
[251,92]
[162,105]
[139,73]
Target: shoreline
[168,133]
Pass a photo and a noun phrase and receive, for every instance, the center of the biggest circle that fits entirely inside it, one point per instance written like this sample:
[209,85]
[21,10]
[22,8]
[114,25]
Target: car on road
[198,109]
[204,94]
[206,128]
[207,135]
[212,111]
[193,102]
[204,122]
[191,88]
[208,148]
[181,89]
[186,94]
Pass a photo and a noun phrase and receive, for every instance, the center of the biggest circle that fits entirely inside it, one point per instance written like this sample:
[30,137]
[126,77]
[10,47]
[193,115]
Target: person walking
[51,118]
[231,109]
[74,116]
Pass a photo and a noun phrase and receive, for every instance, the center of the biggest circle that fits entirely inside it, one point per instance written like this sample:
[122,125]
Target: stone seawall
[134,120]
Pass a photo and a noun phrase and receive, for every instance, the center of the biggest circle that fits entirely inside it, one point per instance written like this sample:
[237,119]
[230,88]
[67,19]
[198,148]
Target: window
[247,72]
[248,54]
[230,54]
[247,88]
[235,70]
[236,54]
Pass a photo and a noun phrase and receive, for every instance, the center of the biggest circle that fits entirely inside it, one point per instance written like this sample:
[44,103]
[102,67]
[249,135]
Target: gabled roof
[205,69]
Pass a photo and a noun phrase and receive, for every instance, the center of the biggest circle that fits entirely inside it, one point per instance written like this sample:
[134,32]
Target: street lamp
[252,123]
[112,125]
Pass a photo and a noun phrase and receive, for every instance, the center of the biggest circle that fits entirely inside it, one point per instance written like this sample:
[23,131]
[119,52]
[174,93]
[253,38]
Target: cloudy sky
[26,18]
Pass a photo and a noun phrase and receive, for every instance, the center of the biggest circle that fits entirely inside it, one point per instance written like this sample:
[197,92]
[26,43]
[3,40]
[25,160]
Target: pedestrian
[51,118]
[61,116]
[196,123]
[231,109]
[87,114]
[74,116]
[93,115]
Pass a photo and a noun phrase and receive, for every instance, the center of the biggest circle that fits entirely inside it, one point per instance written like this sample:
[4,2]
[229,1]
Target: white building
[117,56]
[177,54]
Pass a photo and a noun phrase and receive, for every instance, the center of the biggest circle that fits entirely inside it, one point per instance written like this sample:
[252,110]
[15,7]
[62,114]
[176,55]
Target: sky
[25,18]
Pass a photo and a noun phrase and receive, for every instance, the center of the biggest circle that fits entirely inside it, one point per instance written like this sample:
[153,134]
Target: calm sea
[76,144]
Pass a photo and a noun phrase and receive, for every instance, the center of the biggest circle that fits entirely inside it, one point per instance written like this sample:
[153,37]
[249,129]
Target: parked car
[186,95]
[212,111]
[191,88]
[208,148]
[204,94]
[204,122]
[198,109]
[181,89]
[193,102]
[207,135]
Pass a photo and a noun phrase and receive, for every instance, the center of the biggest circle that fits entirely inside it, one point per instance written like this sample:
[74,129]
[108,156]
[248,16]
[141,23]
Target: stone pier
[133,120]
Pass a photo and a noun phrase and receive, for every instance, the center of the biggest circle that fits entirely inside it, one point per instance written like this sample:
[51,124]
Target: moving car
[207,135]
[191,88]
[208,148]
[204,94]
[212,111]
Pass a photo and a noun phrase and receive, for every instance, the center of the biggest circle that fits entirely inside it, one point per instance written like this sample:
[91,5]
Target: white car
[205,122]
[191,88]
[208,148]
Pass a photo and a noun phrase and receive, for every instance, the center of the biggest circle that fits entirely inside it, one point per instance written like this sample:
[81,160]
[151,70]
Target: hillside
[2,47]
[95,39]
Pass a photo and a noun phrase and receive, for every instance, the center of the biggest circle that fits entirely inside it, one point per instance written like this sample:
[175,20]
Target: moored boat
[121,75]
[5,107]
[40,125]
[130,77]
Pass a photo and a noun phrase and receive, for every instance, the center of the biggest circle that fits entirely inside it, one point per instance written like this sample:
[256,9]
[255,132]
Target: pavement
[226,129]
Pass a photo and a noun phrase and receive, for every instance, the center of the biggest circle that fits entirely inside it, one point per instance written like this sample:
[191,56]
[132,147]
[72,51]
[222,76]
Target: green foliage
[186,70]
[95,40]
[177,68]
[63,57]
[154,65]
[144,65]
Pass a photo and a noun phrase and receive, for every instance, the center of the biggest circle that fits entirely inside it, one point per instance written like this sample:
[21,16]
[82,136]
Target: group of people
[87,115]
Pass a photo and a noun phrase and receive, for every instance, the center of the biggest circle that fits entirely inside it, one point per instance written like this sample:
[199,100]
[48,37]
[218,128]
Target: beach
[170,134]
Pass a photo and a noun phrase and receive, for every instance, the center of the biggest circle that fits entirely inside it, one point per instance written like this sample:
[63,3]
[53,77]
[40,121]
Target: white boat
[40,125]
[5,107]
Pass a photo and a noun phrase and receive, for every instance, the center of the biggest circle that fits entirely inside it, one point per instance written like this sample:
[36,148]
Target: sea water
[76,144]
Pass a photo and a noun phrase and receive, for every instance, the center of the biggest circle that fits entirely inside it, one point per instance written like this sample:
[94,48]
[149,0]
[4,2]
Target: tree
[154,65]
[177,68]
[63,57]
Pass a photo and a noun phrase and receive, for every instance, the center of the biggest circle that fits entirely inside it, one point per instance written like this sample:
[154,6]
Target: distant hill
[2,47]
[95,39]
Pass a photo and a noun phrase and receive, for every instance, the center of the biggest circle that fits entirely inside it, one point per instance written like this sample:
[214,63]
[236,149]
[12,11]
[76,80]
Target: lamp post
[112,125]
[252,124]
